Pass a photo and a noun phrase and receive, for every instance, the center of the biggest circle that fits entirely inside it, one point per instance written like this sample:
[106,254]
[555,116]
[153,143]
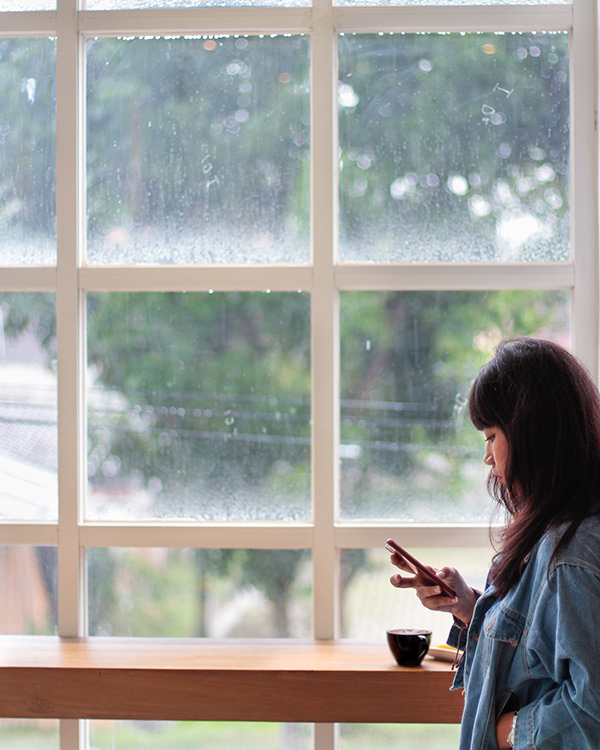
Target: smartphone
[418,567]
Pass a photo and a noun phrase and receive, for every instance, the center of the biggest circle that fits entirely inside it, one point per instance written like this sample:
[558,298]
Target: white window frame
[324,278]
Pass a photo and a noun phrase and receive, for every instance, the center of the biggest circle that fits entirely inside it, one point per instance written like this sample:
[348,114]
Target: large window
[251,259]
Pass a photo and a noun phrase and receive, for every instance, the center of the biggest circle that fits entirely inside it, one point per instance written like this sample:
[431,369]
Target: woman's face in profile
[496,452]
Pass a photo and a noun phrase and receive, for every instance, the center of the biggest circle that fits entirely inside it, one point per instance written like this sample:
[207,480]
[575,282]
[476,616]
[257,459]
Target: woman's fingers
[401,563]
[424,590]
[402,582]
[429,592]
[430,596]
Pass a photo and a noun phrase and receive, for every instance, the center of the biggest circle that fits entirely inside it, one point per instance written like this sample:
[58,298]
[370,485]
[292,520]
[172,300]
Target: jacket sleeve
[457,638]
[564,644]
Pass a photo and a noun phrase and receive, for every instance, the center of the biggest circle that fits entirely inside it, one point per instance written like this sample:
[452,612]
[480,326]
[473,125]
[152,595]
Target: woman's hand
[461,606]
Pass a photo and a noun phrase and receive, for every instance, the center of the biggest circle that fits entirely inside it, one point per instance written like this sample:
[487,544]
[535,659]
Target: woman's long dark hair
[545,402]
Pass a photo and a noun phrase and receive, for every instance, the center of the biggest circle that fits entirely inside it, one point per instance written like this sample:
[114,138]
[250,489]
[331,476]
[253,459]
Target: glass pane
[198,150]
[27,151]
[454,147]
[215,593]
[29,734]
[28,434]
[192,735]
[399,736]
[365,576]
[199,406]
[408,451]
[28,601]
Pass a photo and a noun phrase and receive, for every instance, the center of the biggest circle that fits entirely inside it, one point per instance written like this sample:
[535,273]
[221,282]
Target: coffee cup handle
[424,648]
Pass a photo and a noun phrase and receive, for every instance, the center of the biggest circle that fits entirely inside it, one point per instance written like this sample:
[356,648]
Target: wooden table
[198,679]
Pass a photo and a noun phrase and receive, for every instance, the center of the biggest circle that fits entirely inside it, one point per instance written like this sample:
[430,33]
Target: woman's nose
[488,458]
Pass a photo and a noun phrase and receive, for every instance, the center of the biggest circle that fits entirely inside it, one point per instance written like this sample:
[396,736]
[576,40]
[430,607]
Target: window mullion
[455,276]
[326,736]
[70,455]
[467,535]
[201,20]
[325,329]
[584,182]
[72,734]
[28,23]
[503,18]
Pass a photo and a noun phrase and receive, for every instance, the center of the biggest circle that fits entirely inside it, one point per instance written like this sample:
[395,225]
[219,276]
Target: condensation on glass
[454,147]
[28,407]
[407,449]
[198,150]
[199,406]
[28,595]
[27,152]
[217,593]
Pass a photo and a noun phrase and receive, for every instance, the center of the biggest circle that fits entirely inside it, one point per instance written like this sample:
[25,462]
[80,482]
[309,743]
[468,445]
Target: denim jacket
[537,651]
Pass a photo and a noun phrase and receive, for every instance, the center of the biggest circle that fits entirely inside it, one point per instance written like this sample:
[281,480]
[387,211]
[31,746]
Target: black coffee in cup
[408,645]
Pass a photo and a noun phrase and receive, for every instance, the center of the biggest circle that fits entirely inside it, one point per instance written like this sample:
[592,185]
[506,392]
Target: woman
[531,663]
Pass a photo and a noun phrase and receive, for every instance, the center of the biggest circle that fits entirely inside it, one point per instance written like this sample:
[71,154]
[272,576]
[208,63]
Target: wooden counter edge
[309,692]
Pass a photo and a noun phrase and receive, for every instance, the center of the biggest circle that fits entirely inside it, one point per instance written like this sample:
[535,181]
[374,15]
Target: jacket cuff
[458,633]
[523,726]
[457,637]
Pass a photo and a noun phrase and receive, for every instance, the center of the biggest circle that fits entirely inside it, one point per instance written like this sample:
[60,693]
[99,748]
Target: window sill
[203,680]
